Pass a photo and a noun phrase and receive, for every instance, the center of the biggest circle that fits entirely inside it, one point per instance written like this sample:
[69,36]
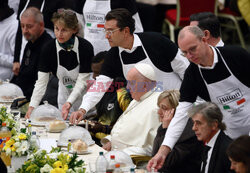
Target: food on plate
[45,119]
[79,146]
[57,125]
[6,98]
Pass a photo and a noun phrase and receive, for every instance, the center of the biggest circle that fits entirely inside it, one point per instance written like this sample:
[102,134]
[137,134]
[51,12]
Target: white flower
[47,168]
[17,144]
[8,151]
[70,171]
[24,146]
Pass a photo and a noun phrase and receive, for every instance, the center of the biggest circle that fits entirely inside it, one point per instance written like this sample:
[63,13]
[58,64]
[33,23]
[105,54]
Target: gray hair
[195,30]
[35,12]
[210,111]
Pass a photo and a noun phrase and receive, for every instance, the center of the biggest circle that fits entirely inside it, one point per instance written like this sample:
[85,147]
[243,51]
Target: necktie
[204,158]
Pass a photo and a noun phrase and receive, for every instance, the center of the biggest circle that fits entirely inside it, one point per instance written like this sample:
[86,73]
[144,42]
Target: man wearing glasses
[127,50]
[220,75]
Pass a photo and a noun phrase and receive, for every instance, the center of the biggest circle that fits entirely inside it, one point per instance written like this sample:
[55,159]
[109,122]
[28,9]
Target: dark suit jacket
[219,161]
[186,154]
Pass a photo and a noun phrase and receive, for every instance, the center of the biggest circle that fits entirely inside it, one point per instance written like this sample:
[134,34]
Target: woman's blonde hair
[67,17]
[173,97]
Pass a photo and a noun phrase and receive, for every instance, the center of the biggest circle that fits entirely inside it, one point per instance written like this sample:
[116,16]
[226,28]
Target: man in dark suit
[208,128]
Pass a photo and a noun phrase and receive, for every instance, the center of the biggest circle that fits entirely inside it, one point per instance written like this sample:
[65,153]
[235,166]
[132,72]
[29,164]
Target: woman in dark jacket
[185,156]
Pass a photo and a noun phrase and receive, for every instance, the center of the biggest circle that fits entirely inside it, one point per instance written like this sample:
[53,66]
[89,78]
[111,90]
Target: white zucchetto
[146,70]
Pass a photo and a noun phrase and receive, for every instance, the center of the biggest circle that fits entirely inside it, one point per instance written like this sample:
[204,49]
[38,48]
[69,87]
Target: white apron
[165,80]
[232,97]
[67,80]
[94,12]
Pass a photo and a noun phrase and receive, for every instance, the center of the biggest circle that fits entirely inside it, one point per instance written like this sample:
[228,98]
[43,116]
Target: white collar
[75,47]
[137,42]
[213,140]
[220,43]
[215,60]
[147,94]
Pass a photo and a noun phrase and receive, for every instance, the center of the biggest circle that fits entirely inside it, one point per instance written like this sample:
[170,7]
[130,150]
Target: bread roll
[78,145]
[57,125]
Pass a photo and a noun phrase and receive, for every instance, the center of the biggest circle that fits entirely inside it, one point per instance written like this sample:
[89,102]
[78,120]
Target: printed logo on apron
[68,82]
[94,13]
[231,96]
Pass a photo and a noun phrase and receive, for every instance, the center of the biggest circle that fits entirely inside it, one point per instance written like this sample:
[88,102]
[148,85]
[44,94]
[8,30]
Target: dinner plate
[80,152]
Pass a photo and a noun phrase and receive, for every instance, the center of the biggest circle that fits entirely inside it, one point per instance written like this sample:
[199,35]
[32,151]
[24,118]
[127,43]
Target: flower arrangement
[18,145]
[53,162]
[8,119]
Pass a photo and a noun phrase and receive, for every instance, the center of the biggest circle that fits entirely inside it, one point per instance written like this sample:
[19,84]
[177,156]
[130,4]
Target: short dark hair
[210,111]
[207,21]
[123,17]
[99,57]
[239,150]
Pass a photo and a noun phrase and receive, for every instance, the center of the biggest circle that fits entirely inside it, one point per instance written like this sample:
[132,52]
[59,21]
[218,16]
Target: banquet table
[47,140]
[89,158]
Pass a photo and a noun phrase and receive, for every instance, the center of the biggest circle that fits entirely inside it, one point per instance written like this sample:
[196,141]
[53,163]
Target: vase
[17,162]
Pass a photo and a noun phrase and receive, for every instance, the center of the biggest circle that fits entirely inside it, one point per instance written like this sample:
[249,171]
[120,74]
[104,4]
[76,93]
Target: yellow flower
[57,170]
[13,149]
[9,144]
[65,167]
[22,136]
[58,164]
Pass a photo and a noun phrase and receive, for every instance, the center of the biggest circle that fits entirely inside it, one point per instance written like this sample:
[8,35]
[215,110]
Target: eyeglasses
[110,32]
[191,51]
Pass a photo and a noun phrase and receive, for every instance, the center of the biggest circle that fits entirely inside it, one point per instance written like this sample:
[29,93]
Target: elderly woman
[68,57]
[185,156]
[239,154]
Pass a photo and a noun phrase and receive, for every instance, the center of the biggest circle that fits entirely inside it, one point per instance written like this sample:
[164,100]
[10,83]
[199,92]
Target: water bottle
[34,141]
[132,170]
[117,168]
[101,163]
[111,165]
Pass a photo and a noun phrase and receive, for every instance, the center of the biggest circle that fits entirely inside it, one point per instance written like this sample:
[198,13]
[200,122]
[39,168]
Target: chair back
[185,8]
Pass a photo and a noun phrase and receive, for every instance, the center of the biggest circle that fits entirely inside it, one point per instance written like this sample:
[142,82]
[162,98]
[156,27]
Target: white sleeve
[6,60]
[180,64]
[81,84]
[142,151]
[138,24]
[40,88]
[95,92]
[177,124]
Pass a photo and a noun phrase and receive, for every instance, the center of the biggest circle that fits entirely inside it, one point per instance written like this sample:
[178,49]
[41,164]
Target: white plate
[66,145]
[80,152]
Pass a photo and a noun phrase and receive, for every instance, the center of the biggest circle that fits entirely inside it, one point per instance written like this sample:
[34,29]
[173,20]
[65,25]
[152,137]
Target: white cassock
[136,128]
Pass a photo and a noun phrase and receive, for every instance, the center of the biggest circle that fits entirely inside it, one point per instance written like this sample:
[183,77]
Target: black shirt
[50,6]
[160,50]
[29,66]
[238,61]
[68,59]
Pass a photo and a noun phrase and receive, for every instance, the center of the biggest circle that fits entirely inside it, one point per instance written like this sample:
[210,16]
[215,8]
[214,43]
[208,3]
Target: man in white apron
[215,74]
[94,12]
[210,25]
[129,49]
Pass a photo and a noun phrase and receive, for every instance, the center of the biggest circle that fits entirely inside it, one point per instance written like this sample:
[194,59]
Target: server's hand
[28,113]
[16,68]
[77,116]
[65,110]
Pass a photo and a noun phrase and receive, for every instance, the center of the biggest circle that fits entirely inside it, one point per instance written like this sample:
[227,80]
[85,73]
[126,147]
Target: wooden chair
[179,17]
[226,13]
